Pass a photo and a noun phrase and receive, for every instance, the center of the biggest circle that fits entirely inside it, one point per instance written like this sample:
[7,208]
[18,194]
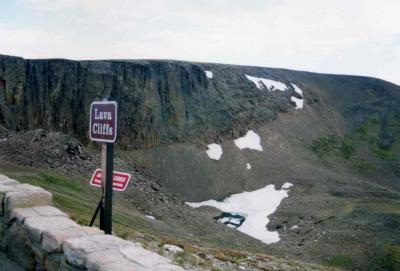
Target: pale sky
[360,37]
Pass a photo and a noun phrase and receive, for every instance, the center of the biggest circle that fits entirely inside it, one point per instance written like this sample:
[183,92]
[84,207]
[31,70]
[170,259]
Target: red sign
[120,179]
[103,121]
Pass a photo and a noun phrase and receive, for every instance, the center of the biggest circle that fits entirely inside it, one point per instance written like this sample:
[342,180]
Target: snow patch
[297,89]
[248,166]
[3,139]
[209,74]
[286,185]
[294,227]
[271,85]
[214,151]
[299,102]
[150,217]
[250,141]
[257,205]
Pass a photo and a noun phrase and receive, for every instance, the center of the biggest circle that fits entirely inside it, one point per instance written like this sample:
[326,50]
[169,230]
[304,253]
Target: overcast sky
[339,36]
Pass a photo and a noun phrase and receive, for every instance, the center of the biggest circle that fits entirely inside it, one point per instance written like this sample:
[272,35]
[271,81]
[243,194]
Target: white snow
[248,166]
[3,139]
[151,217]
[271,85]
[214,151]
[257,205]
[297,89]
[299,102]
[209,74]
[250,141]
[286,185]
[294,227]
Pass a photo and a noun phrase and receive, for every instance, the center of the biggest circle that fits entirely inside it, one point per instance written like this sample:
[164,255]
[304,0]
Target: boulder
[172,248]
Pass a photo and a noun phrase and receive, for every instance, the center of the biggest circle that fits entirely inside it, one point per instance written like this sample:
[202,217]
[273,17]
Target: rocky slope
[341,150]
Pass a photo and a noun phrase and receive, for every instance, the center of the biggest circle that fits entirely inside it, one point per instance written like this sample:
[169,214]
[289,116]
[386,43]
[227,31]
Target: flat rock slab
[20,214]
[7,181]
[25,198]
[143,257]
[11,186]
[77,249]
[106,252]
[120,266]
[51,232]
[110,260]
[92,230]
[3,177]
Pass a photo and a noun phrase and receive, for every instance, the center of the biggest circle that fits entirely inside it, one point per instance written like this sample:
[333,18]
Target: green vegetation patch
[386,259]
[374,144]
[333,144]
[388,207]
[340,261]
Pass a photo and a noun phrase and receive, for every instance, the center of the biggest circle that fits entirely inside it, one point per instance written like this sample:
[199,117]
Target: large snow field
[257,205]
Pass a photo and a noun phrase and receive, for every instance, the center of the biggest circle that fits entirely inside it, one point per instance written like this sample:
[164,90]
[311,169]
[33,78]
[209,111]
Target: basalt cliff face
[159,101]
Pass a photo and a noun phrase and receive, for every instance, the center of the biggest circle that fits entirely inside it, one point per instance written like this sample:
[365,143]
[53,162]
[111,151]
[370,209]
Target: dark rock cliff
[159,101]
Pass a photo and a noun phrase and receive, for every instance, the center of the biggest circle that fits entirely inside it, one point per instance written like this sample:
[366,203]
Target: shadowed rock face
[159,101]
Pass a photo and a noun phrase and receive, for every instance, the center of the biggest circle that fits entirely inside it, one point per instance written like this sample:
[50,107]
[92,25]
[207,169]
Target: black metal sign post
[103,128]
[107,163]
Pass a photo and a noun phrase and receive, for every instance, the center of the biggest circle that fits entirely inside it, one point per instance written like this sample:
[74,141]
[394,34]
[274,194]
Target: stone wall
[38,236]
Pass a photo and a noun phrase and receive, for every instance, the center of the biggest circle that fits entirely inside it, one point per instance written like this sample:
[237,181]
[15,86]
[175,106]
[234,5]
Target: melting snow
[248,166]
[214,151]
[270,84]
[299,102]
[209,74]
[297,89]
[287,185]
[250,141]
[257,205]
